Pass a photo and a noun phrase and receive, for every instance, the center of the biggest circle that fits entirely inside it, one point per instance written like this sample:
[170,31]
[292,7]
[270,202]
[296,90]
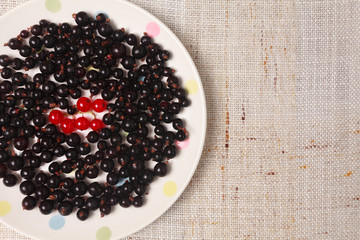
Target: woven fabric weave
[281,159]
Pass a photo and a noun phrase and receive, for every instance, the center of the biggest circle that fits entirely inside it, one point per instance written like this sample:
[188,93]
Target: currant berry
[96,124]
[56,116]
[68,125]
[83,104]
[99,105]
[82,123]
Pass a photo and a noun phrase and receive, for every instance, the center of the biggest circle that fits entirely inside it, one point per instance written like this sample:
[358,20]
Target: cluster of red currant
[84,104]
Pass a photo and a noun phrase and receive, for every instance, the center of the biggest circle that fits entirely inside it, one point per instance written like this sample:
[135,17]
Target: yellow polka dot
[5,208]
[192,86]
[103,233]
[53,5]
[72,173]
[169,188]
[89,68]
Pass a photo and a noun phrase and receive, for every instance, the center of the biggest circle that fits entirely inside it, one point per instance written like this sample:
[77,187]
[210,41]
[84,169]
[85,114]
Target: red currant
[68,125]
[55,116]
[96,124]
[99,105]
[82,123]
[83,104]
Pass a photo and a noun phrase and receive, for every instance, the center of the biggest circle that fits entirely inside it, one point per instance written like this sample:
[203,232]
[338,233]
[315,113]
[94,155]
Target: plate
[163,192]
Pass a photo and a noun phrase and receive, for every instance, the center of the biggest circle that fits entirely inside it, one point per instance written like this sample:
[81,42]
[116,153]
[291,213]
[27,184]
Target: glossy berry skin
[29,203]
[54,167]
[95,189]
[46,206]
[39,120]
[79,202]
[10,180]
[112,178]
[55,116]
[73,140]
[180,135]
[107,165]
[92,172]
[21,143]
[125,202]
[15,163]
[105,209]
[160,169]
[65,208]
[27,187]
[137,201]
[92,203]
[41,178]
[82,19]
[26,173]
[82,214]
[147,176]
[3,170]
[82,123]
[170,151]
[42,192]
[83,104]
[99,105]
[96,124]
[57,195]
[113,200]
[84,149]
[140,189]
[79,188]
[67,125]
[93,137]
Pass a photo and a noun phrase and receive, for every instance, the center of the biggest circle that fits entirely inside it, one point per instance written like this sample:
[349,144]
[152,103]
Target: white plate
[163,192]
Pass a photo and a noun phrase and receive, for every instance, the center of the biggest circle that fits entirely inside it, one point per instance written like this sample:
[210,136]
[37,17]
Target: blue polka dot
[121,182]
[106,15]
[141,78]
[57,222]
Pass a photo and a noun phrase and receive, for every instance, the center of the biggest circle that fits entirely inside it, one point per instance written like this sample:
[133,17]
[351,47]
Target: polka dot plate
[163,192]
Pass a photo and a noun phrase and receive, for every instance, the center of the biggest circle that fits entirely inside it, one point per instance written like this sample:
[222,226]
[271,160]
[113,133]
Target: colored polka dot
[141,78]
[5,208]
[89,68]
[53,5]
[57,222]
[121,182]
[182,144]
[192,86]
[72,173]
[103,233]
[124,133]
[152,29]
[170,188]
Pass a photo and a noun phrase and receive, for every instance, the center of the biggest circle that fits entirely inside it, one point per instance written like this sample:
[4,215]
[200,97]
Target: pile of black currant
[41,143]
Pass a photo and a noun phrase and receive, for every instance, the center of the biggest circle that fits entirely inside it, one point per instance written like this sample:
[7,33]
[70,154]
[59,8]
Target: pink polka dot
[152,29]
[183,144]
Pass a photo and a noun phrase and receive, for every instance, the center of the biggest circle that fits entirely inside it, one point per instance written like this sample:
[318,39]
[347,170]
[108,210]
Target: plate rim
[203,106]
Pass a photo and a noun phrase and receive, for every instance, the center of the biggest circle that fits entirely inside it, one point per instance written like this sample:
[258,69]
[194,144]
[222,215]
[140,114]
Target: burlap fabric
[281,159]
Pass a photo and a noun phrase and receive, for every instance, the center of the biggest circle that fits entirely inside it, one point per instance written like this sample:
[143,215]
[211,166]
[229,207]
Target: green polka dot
[103,233]
[192,86]
[124,133]
[53,5]
[5,208]
[170,188]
